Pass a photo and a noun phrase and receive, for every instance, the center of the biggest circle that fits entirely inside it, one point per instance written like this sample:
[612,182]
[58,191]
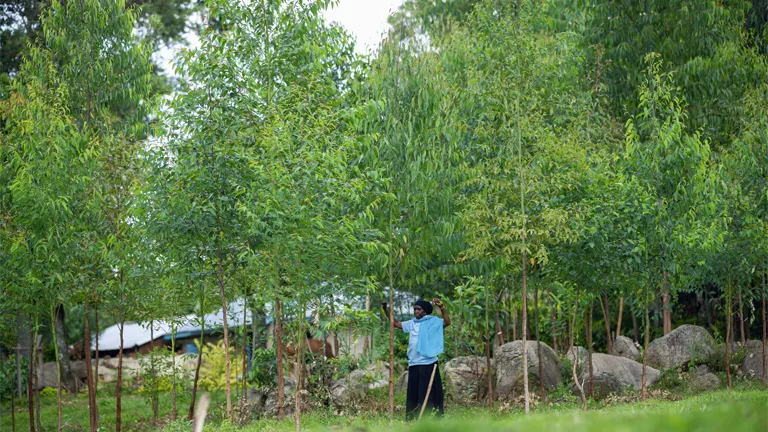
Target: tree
[520,173]
[97,129]
[235,161]
[703,43]
[162,21]
[670,169]
[412,156]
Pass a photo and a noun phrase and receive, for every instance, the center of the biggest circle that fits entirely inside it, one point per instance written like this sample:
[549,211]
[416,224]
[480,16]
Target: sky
[366,20]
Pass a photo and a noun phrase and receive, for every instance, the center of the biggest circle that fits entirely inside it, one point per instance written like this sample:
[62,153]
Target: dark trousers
[418,381]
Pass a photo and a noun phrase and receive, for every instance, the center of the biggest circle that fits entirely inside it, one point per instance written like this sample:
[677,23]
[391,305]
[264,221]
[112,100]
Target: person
[425,343]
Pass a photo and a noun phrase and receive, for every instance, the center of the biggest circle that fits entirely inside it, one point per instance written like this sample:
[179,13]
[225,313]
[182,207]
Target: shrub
[8,376]
[213,370]
[717,360]
[48,392]
[263,371]
[566,370]
[671,379]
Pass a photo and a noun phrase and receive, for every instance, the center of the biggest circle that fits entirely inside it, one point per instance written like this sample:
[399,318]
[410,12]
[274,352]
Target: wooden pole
[429,390]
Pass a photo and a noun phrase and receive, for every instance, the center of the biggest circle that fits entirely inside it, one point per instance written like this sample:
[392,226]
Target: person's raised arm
[386,314]
[446,318]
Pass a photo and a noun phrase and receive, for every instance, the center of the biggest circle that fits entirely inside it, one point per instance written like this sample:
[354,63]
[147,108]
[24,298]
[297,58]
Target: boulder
[681,346]
[625,347]
[466,378]
[509,368]
[581,354]
[263,402]
[615,374]
[352,389]
[703,380]
[752,365]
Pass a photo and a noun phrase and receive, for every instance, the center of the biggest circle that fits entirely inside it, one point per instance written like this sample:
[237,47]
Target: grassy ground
[743,409]
[721,410]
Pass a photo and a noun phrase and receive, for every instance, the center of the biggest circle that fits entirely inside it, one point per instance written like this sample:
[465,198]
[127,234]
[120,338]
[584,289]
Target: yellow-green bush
[48,392]
[213,369]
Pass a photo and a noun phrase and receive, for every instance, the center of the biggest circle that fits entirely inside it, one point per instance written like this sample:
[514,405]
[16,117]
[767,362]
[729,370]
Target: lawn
[722,410]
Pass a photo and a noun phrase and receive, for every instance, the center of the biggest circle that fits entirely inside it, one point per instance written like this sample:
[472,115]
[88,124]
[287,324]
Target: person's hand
[438,303]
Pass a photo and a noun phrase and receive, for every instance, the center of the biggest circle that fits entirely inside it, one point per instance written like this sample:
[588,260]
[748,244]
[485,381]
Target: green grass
[744,409]
[715,411]
[136,411]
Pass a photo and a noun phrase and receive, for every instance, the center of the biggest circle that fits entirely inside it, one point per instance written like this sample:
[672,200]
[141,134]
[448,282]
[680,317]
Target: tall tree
[161,21]
[702,42]
[670,168]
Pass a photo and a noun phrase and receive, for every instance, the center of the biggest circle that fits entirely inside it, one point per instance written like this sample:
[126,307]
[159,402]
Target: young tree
[521,172]
[669,168]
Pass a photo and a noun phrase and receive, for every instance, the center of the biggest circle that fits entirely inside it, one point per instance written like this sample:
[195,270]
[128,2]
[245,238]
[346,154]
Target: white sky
[366,20]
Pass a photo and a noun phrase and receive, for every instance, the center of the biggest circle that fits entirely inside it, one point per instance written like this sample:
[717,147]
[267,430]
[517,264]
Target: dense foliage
[512,157]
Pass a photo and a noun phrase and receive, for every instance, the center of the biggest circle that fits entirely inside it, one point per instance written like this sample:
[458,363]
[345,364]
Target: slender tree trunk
[644,386]
[119,384]
[39,370]
[728,339]
[222,290]
[488,350]
[589,350]
[525,348]
[58,367]
[89,371]
[741,319]
[155,396]
[391,345]
[488,370]
[621,313]
[576,358]
[764,343]
[607,321]
[538,341]
[191,414]
[552,319]
[31,380]
[174,409]
[245,347]
[279,355]
[667,306]
[13,403]
[96,373]
[299,377]
[765,339]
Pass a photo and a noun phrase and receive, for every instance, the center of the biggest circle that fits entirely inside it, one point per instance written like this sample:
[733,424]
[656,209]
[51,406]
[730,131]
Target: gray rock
[263,402]
[625,347]
[614,374]
[509,368]
[684,344]
[752,365]
[580,357]
[703,380]
[466,378]
[351,390]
